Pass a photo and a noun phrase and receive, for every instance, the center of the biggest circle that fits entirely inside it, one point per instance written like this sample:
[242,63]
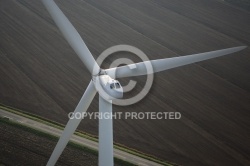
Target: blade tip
[242,47]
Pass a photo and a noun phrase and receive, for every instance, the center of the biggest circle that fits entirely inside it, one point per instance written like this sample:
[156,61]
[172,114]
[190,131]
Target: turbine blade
[168,63]
[71,35]
[72,123]
[105,157]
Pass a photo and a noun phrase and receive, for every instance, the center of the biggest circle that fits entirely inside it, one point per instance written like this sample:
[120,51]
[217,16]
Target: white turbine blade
[71,35]
[106,157]
[72,123]
[168,63]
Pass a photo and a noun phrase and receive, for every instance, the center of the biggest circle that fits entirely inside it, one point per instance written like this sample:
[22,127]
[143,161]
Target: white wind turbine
[106,79]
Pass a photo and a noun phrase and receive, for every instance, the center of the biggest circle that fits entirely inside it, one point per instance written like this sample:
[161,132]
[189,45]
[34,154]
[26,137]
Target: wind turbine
[106,79]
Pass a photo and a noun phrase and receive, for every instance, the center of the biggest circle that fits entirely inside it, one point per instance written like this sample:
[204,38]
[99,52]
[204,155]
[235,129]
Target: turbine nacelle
[108,87]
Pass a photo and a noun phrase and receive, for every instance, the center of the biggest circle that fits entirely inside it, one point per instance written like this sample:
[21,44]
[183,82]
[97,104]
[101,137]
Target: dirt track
[41,74]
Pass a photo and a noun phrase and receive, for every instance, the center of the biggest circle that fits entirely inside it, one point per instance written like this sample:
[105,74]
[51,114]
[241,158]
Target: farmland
[22,145]
[41,74]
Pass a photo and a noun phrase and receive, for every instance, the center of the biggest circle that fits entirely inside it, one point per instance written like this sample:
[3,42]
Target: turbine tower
[105,78]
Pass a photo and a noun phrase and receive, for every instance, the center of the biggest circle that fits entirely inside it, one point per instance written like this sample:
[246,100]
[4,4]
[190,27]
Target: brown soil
[20,147]
[41,74]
